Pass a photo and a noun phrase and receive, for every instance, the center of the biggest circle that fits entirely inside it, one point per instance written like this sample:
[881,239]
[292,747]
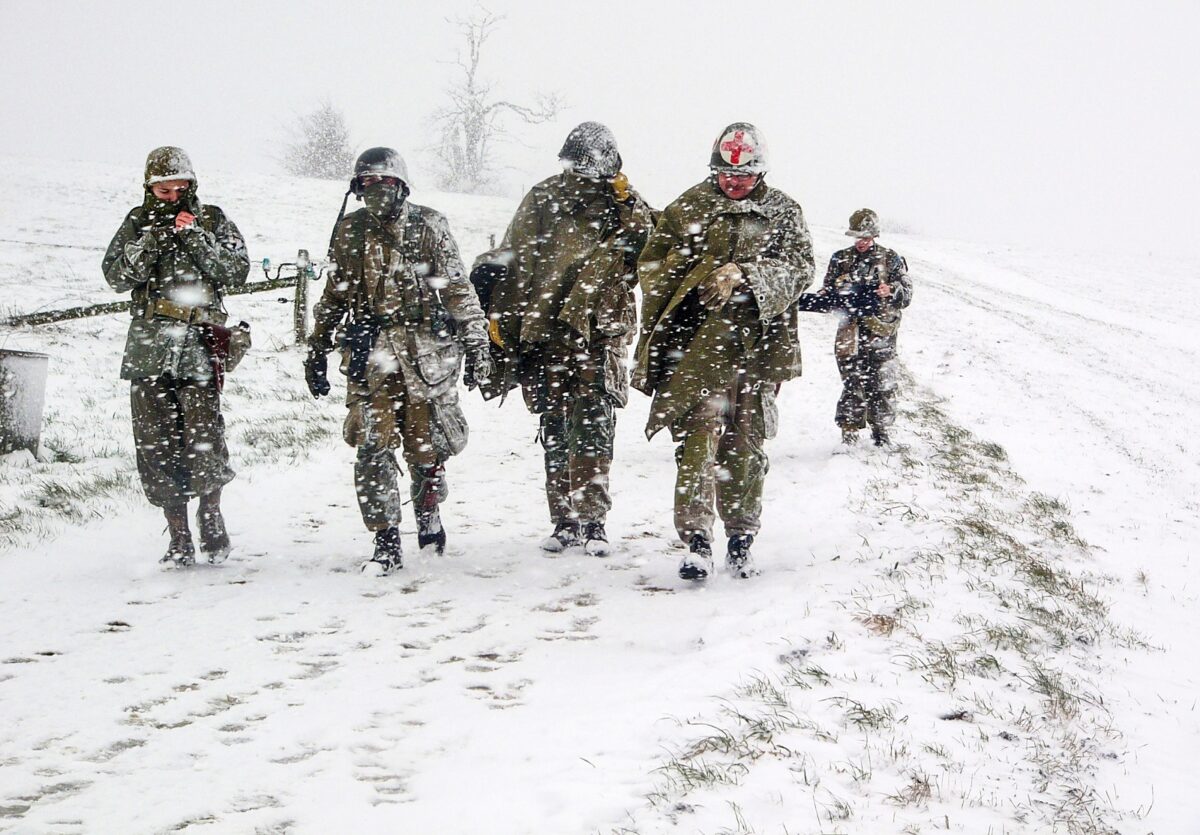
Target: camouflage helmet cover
[168,163]
[590,150]
[379,162]
[864,224]
[739,149]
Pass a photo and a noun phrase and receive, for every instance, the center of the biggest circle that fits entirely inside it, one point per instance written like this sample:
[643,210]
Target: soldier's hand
[884,290]
[717,287]
[479,366]
[316,373]
[183,220]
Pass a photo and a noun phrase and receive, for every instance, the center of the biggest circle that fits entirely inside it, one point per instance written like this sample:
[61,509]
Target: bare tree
[472,123]
[319,145]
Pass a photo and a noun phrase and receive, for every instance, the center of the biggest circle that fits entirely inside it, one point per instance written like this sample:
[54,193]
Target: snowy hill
[987,632]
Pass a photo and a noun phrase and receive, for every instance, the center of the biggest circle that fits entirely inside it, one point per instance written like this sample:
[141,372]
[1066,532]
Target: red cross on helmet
[739,149]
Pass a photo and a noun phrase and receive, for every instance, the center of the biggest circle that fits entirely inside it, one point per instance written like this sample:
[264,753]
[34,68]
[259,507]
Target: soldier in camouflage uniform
[410,313]
[177,257]
[869,285]
[720,278]
[565,316]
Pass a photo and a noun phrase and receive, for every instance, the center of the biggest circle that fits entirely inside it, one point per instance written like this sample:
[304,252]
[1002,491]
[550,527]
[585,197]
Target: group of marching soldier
[723,272]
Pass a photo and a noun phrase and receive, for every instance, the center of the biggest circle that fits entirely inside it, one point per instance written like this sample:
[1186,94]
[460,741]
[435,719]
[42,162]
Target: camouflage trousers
[576,389]
[388,417]
[866,363]
[179,435]
[720,459]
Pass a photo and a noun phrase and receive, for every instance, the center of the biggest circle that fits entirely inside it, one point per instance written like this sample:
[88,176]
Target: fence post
[300,309]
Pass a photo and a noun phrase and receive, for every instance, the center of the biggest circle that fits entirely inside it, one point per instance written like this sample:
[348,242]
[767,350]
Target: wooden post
[300,309]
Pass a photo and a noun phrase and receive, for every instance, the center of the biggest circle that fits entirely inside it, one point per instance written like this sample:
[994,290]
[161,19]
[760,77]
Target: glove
[316,373]
[620,186]
[479,366]
[717,287]
[494,333]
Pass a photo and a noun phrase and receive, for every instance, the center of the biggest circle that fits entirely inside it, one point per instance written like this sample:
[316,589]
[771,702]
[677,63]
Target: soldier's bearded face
[170,191]
[736,186]
[863,244]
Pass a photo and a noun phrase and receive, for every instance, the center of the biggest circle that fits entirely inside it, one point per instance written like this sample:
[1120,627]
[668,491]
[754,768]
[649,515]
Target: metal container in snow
[22,396]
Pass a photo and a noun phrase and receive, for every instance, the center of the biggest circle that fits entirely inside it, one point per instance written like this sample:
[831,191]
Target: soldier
[869,284]
[720,278]
[178,257]
[410,314]
[565,316]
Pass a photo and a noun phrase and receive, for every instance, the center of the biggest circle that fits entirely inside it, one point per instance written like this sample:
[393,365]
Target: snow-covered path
[501,690]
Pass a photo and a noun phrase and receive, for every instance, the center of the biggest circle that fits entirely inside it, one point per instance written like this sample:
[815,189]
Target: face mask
[163,212]
[381,199]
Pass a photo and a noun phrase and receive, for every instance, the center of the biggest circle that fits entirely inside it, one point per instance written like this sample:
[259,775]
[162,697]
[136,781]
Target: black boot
[181,552]
[428,491]
[387,556]
[738,559]
[879,435]
[595,540]
[698,564]
[566,535]
[214,539]
[430,530]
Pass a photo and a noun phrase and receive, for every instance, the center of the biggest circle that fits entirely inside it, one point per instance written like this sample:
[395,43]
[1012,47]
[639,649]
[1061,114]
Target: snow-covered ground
[988,632]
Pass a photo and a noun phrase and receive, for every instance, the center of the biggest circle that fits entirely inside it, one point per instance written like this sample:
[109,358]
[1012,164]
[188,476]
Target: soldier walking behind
[410,313]
[177,257]
[720,278]
[869,285]
[565,315]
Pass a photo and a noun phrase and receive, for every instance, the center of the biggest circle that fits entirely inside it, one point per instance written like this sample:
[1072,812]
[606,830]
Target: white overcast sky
[1017,121]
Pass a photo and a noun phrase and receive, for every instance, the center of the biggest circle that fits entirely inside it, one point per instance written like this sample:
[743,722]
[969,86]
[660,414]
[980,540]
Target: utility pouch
[359,340]
[449,428]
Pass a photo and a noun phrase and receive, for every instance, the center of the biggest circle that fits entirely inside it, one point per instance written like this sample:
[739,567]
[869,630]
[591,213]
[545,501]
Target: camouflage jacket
[401,276]
[190,268]
[574,256]
[684,347]
[877,265]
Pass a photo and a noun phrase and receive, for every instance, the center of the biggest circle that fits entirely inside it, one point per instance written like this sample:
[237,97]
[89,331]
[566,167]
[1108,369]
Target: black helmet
[379,162]
[591,151]
[739,149]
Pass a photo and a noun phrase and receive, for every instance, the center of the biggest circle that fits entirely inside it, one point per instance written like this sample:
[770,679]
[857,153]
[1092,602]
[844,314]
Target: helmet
[739,149]
[864,224]
[590,150]
[168,163]
[379,162]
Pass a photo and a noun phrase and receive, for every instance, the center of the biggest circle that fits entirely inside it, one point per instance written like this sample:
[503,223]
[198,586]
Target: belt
[164,308]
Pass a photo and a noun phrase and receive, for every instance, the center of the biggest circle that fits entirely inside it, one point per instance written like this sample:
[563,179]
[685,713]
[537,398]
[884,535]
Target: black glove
[479,366]
[316,373]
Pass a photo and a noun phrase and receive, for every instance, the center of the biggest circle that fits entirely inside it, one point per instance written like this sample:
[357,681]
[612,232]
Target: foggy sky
[1022,122]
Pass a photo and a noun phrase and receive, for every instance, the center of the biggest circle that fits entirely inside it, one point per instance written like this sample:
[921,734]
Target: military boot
[698,563]
[566,535]
[737,558]
[879,436]
[387,556]
[181,552]
[214,539]
[430,530]
[429,489]
[849,437]
[595,540]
